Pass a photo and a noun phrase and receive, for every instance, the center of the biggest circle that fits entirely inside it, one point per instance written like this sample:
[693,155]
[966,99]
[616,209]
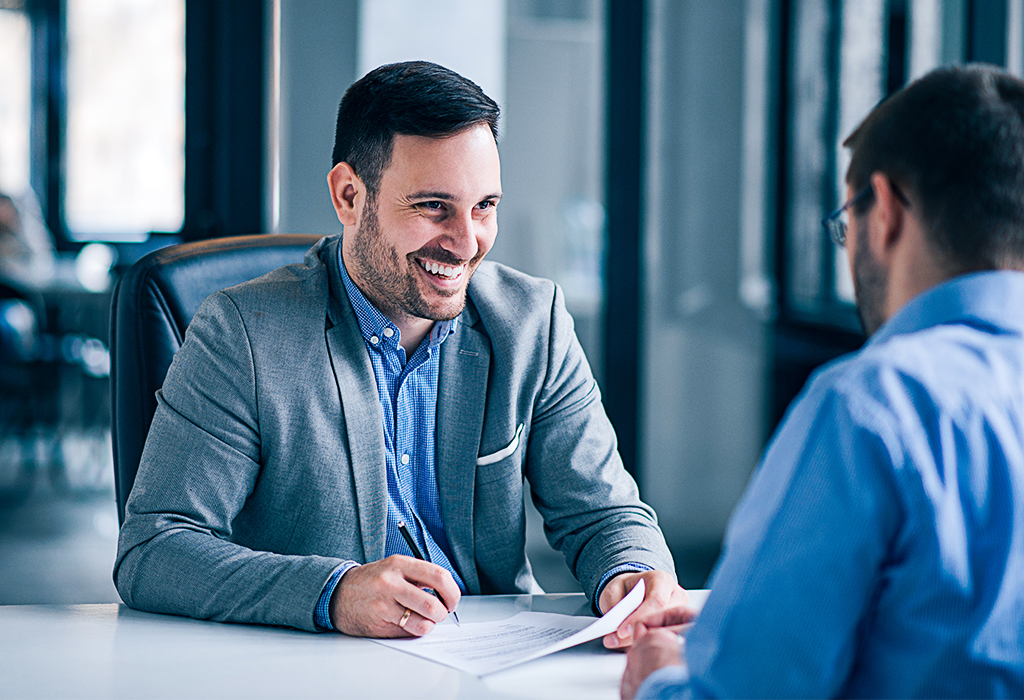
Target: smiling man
[392,384]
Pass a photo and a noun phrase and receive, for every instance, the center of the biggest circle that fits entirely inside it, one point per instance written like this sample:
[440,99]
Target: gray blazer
[264,465]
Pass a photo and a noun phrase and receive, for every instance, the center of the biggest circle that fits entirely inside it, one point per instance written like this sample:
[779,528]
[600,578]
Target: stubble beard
[393,282]
[870,280]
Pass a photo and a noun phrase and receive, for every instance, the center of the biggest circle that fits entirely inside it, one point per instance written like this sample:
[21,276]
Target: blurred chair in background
[54,362]
[28,390]
[27,254]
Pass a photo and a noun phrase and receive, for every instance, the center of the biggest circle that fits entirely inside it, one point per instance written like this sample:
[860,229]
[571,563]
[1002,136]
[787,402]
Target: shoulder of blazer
[506,301]
[299,290]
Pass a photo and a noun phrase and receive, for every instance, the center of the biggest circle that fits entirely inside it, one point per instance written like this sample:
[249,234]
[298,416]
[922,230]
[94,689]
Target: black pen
[416,553]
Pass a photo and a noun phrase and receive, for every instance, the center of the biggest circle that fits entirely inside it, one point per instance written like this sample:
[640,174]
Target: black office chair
[151,308]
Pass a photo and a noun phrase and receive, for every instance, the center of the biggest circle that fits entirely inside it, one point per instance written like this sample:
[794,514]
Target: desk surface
[111,651]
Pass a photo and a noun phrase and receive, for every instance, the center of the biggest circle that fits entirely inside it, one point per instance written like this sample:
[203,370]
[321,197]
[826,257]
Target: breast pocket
[506,451]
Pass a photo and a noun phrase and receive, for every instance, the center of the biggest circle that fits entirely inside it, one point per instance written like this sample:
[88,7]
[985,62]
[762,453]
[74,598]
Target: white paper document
[481,648]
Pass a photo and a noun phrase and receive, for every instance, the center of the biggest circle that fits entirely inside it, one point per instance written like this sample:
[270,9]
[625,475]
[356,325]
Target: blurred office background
[666,161]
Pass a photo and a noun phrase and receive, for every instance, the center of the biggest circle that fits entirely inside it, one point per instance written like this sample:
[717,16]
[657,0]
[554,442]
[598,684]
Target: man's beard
[392,281]
[870,280]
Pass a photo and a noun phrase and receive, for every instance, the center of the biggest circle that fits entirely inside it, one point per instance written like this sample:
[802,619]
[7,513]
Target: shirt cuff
[666,682]
[322,612]
[631,566]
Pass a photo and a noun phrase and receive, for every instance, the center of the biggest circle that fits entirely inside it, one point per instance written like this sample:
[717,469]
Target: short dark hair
[954,141]
[417,98]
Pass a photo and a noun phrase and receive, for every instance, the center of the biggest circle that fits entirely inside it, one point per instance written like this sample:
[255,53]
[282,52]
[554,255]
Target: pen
[416,553]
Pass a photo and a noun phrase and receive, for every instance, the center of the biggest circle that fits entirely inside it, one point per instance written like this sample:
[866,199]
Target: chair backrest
[152,306]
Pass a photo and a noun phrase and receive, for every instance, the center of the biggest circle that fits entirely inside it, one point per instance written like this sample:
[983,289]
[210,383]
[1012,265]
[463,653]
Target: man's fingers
[405,618]
[626,633]
[655,649]
[421,602]
[414,625]
[666,617]
[371,600]
[424,574]
[644,611]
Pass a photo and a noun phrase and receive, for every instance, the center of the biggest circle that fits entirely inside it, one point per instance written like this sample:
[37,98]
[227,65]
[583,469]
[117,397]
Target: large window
[125,158]
[843,58]
[15,105]
[92,114]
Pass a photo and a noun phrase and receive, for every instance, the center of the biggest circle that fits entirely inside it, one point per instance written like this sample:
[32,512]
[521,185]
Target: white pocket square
[502,453]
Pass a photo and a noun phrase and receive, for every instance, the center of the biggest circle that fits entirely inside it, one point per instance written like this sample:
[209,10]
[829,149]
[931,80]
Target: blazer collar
[461,399]
[360,408]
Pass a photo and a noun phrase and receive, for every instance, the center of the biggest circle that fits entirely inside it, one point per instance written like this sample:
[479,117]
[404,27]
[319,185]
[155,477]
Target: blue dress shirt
[879,549]
[408,398]
[407,390]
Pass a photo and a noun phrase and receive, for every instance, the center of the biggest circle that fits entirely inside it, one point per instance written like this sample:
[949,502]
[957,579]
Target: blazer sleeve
[200,464]
[591,506]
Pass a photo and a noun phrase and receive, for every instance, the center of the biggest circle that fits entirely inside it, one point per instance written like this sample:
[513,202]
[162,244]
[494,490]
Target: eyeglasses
[838,221]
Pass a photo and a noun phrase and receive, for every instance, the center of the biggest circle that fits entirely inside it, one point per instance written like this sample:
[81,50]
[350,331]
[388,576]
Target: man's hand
[662,592]
[652,649]
[371,600]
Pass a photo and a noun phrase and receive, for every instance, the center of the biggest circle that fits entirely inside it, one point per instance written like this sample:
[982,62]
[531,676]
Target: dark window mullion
[49,107]
[986,31]
[625,146]
[830,191]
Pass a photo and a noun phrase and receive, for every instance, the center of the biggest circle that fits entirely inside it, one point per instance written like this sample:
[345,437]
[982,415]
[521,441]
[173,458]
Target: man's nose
[461,236]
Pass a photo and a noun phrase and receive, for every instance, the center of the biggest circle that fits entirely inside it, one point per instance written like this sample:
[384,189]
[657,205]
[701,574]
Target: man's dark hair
[954,142]
[417,98]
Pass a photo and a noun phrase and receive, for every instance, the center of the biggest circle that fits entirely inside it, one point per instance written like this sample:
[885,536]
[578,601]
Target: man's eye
[433,206]
[487,204]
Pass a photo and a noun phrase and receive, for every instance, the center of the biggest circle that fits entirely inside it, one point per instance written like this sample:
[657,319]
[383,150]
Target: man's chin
[448,311]
[441,309]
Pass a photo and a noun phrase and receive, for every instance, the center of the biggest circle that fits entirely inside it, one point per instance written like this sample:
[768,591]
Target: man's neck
[916,268]
[413,331]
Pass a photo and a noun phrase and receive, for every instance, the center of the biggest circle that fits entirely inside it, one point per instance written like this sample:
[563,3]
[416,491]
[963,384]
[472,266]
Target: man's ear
[347,193]
[889,218]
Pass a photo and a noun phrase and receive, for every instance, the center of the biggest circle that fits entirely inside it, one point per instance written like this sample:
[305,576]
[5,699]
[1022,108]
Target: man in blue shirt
[392,384]
[879,549]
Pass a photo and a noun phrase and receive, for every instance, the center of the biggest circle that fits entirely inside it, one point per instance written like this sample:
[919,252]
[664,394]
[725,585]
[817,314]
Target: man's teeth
[442,270]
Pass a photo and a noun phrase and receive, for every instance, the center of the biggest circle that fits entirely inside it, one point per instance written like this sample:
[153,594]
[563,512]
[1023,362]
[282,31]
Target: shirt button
[388,332]
[405,459]
[374,339]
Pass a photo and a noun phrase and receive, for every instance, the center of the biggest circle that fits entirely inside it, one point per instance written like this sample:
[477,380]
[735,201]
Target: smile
[443,271]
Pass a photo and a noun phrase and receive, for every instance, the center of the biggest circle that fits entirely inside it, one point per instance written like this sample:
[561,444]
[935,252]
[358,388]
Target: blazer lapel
[462,395]
[361,408]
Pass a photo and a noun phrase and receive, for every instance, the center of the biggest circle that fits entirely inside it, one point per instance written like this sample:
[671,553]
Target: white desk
[111,651]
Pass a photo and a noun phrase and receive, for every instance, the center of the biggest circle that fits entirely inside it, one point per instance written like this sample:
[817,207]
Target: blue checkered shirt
[407,390]
[408,400]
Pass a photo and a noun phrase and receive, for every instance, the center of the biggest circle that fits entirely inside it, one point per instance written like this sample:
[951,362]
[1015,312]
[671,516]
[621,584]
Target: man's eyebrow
[445,196]
[431,195]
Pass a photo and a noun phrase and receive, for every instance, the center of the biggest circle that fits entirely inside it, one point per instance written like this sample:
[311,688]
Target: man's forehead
[463,164]
[472,139]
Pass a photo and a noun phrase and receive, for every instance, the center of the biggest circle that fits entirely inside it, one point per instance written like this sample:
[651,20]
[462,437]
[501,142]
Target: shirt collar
[992,299]
[377,329]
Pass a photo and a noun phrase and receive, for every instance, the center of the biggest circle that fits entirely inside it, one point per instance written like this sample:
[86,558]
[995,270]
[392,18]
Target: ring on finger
[405,618]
